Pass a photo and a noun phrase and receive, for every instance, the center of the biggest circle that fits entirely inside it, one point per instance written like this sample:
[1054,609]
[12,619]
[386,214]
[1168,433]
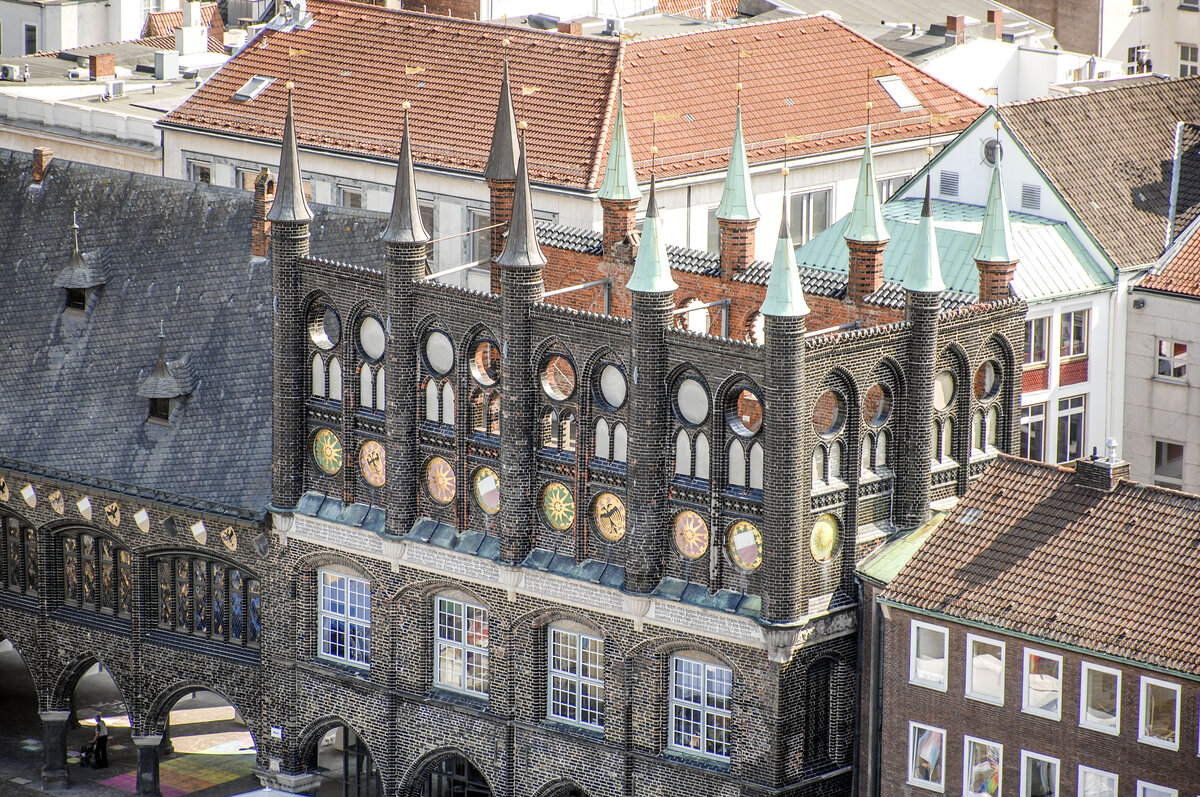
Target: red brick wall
[1035,379]
[1072,372]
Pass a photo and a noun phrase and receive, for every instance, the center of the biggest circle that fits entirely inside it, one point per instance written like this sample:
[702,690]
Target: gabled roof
[1028,550]
[1109,154]
[804,79]
[1178,270]
[164,23]
[1185,189]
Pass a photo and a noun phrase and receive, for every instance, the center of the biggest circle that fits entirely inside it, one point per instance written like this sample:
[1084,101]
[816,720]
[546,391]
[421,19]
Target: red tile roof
[1029,550]
[1181,271]
[717,9]
[164,23]
[216,44]
[806,78]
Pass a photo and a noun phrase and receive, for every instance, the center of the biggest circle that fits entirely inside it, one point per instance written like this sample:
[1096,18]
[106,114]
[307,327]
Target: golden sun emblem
[440,479]
[327,451]
[824,538]
[691,534]
[558,506]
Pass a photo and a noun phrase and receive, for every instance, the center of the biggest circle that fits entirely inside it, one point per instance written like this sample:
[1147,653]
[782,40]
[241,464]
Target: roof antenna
[75,226]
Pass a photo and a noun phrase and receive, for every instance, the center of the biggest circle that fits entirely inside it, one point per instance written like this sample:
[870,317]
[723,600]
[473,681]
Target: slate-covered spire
[405,225]
[995,235]
[502,159]
[620,180]
[737,197]
[785,297]
[521,248]
[651,269]
[289,204]
[865,222]
[924,269]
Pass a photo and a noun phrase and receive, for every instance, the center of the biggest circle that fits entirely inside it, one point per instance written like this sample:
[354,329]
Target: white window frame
[933,785]
[1176,364]
[1062,426]
[346,191]
[970,671]
[967,742]
[802,227]
[1070,339]
[1026,756]
[1084,722]
[354,617]
[193,170]
[1144,787]
[1044,322]
[585,682]
[463,610]
[886,187]
[1154,741]
[706,712]
[1113,778]
[1188,67]
[914,677]
[1026,657]
[1162,480]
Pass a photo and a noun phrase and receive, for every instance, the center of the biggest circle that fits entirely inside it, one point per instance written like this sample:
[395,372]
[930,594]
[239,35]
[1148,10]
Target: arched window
[96,574]
[756,466]
[447,405]
[478,412]
[550,428]
[19,557]
[558,430]
[568,432]
[990,427]
[494,415]
[380,386]
[335,379]
[864,458]
[977,432]
[946,449]
[366,388]
[318,376]
[935,440]
[603,441]
[208,599]
[683,455]
[701,470]
[620,443]
[818,465]
[881,450]
[835,461]
[737,464]
[432,402]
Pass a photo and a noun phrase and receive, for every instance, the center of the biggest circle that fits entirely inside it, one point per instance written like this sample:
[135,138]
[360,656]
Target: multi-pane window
[1073,333]
[701,704]
[1137,59]
[1100,698]
[1096,783]
[350,197]
[1033,432]
[887,186]
[204,598]
[345,616]
[559,430]
[19,559]
[1171,359]
[576,687]
[462,646]
[96,575]
[1035,340]
[927,655]
[199,171]
[1039,775]
[1189,59]
[1158,715]
[809,214]
[31,39]
[985,669]
[1042,692]
[1071,415]
[1168,464]
[612,444]
[982,765]
[926,754]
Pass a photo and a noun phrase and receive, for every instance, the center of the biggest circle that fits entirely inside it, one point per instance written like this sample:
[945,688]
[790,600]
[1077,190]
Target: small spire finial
[925,269]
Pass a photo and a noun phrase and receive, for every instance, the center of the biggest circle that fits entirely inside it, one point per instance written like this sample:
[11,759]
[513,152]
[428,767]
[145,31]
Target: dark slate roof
[1187,185]
[178,253]
[1110,154]
[1031,551]
[572,239]
[325,507]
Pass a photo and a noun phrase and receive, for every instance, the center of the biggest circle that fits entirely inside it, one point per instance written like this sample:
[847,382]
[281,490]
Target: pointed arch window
[19,558]
[756,466]
[380,389]
[439,404]
[209,599]
[559,430]
[318,376]
[820,474]
[737,464]
[335,379]
[366,388]
[603,440]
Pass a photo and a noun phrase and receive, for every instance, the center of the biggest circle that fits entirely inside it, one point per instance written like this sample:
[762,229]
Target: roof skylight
[899,92]
[253,88]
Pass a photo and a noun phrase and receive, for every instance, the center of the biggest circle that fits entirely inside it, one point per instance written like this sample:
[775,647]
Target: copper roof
[1030,551]
[805,79]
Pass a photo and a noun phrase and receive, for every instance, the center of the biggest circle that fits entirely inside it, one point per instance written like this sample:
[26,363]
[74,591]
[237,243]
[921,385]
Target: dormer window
[83,274]
[170,379]
[76,299]
[160,410]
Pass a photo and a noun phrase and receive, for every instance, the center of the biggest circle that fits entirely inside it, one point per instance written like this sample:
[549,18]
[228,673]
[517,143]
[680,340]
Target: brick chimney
[956,28]
[866,268]
[996,17]
[1101,473]
[41,160]
[573,27]
[102,65]
[995,279]
[260,228]
[620,227]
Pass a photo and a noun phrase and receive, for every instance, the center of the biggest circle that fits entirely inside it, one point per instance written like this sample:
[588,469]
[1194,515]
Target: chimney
[574,27]
[41,159]
[260,228]
[1101,473]
[996,17]
[956,29]
[102,65]
[192,36]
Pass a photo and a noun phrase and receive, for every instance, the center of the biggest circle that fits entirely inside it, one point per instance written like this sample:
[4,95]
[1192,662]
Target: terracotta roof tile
[1187,187]
[806,78]
[718,9]
[1179,271]
[164,23]
[216,44]
[1029,550]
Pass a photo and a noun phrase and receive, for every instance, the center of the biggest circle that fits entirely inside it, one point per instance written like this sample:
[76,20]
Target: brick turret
[995,256]
[866,235]
[737,215]
[619,193]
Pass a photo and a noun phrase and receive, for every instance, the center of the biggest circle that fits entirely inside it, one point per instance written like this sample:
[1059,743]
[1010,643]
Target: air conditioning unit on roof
[115,88]
[10,72]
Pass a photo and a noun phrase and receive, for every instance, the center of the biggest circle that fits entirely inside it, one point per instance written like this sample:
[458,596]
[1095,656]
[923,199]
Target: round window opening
[485,363]
[439,352]
[324,327]
[943,390]
[371,339]
[745,413]
[829,414]
[877,406]
[987,381]
[558,377]
[612,386]
[691,401]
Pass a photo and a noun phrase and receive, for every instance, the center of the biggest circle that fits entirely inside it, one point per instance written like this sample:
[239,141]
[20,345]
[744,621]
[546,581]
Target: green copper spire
[925,270]
[620,180]
[995,235]
[784,298]
[865,223]
[652,269]
[737,198]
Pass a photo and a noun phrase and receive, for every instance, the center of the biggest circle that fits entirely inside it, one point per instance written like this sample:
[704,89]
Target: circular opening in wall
[987,381]
[324,327]
[829,414]
[745,413]
[992,151]
[485,363]
[439,352]
[558,377]
[877,406]
[371,339]
[691,402]
[943,390]
[611,386]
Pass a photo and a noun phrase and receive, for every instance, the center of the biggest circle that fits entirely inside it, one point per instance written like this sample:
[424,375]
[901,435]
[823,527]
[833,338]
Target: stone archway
[450,774]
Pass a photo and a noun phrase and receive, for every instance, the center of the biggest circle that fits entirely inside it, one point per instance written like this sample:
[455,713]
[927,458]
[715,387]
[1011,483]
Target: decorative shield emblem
[84,505]
[30,495]
[3,489]
[200,532]
[56,502]
[142,519]
[229,537]
[113,513]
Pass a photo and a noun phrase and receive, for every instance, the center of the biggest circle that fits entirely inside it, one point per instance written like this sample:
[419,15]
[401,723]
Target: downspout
[877,704]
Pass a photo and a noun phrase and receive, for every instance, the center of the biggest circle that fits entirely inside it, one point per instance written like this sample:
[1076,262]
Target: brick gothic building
[518,548]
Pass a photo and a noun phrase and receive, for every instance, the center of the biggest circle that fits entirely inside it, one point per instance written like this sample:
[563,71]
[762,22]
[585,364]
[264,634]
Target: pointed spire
[502,159]
[925,270]
[995,234]
[651,269]
[289,204]
[737,197]
[620,180]
[521,248]
[160,368]
[405,225]
[865,222]
[785,297]
[76,260]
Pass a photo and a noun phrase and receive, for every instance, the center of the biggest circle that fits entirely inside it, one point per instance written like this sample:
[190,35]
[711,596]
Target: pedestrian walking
[101,742]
